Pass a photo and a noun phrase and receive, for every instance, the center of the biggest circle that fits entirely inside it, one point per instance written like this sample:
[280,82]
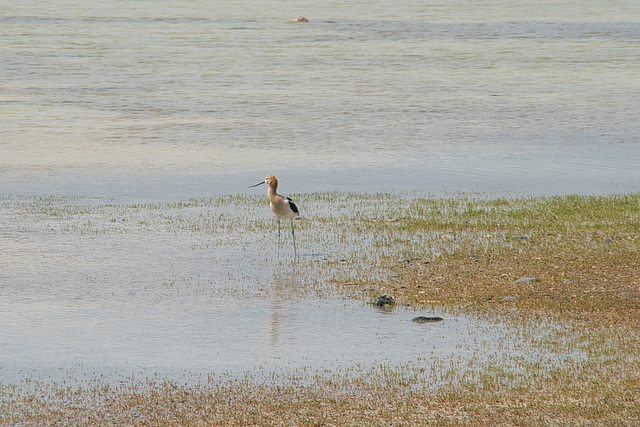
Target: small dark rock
[427,319]
[384,300]
[527,280]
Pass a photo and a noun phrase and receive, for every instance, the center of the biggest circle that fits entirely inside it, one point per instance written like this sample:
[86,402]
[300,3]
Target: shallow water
[175,290]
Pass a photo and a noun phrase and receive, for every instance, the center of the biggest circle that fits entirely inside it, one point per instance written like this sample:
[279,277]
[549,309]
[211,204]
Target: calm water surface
[132,101]
[166,99]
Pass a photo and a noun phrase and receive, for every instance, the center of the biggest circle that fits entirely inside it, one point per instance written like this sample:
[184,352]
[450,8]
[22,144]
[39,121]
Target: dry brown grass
[586,270]
[561,400]
[596,287]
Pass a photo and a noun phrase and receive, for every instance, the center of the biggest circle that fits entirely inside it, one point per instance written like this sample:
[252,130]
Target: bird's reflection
[281,311]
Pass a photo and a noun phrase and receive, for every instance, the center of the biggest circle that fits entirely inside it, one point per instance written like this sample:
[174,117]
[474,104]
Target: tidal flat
[547,288]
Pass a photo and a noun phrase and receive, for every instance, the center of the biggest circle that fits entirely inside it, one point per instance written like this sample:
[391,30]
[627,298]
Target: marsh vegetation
[465,254]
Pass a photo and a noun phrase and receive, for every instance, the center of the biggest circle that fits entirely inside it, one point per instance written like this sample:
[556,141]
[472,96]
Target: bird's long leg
[278,239]
[293,234]
[278,230]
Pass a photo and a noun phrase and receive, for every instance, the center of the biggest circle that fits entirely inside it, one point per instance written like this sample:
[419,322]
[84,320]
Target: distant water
[155,100]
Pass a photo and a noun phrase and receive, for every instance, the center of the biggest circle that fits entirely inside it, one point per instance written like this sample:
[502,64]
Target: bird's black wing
[293,206]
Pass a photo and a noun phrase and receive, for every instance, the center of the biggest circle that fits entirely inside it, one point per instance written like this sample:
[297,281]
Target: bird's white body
[281,206]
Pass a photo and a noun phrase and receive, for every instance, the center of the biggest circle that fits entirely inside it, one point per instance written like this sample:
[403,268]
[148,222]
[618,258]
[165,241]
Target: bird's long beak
[261,182]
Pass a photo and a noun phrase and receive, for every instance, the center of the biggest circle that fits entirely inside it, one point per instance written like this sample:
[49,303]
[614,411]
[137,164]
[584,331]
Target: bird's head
[270,180]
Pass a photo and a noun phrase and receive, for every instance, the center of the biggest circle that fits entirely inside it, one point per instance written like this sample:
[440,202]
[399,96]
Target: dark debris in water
[427,319]
[383,300]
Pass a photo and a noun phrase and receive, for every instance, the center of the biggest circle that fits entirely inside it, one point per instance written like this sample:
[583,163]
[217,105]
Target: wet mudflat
[146,301]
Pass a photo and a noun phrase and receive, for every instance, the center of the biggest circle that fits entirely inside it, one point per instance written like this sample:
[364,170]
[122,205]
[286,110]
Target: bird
[281,206]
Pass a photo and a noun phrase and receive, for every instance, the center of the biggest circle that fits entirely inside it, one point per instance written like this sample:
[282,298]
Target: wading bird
[282,207]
